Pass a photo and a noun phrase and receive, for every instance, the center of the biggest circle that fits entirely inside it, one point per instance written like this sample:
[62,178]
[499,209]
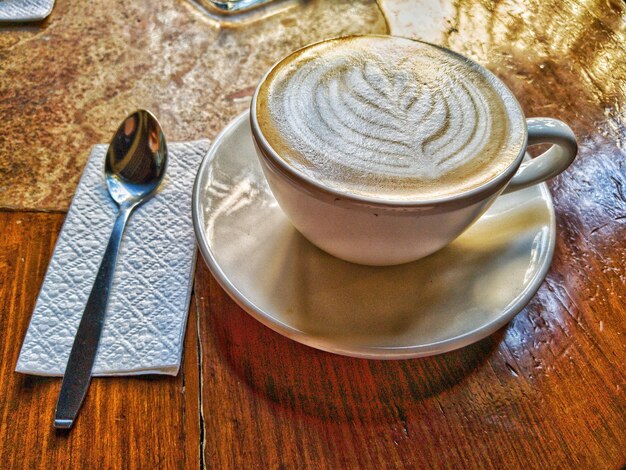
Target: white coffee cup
[375,231]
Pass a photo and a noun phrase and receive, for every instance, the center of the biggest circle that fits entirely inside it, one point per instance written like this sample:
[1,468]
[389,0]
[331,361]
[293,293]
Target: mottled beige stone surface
[66,83]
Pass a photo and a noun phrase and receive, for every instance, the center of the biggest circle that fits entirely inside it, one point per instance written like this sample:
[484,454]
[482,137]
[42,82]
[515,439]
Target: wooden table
[547,391]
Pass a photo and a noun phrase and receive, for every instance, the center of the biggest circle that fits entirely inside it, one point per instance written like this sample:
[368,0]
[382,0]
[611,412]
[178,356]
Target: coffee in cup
[389,118]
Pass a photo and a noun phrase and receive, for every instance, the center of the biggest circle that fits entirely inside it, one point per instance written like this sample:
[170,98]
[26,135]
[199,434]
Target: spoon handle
[82,357]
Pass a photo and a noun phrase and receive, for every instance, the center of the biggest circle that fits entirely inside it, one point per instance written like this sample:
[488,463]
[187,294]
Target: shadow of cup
[302,379]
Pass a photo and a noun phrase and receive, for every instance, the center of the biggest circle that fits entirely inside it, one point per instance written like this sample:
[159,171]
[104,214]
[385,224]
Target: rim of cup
[316,187]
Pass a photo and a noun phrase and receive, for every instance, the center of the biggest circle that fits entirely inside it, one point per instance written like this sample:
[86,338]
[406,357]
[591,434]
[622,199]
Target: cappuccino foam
[389,118]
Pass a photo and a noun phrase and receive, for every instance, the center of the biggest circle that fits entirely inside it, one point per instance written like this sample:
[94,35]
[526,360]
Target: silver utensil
[134,167]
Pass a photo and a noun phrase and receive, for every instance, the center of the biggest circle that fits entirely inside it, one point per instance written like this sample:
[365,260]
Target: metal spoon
[133,169]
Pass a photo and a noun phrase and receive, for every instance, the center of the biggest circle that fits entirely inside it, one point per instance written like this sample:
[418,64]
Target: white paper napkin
[149,300]
[25,10]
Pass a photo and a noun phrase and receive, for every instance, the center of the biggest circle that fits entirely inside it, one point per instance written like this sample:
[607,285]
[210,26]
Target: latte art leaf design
[372,114]
[395,124]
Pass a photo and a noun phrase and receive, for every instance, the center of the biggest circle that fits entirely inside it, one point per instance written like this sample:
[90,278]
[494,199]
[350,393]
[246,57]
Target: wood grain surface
[139,422]
[546,391]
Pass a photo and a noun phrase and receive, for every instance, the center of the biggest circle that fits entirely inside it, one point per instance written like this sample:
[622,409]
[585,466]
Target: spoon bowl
[136,160]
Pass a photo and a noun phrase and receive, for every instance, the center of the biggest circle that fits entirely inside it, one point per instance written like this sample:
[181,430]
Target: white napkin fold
[149,300]
[25,10]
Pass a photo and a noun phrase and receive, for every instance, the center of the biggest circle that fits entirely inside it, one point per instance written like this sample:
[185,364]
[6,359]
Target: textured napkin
[25,10]
[149,300]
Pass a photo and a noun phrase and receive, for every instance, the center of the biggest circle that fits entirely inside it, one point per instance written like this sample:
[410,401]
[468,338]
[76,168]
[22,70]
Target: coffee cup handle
[550,163]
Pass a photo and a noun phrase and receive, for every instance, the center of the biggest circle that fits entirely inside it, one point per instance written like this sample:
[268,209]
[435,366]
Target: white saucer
[446,301]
